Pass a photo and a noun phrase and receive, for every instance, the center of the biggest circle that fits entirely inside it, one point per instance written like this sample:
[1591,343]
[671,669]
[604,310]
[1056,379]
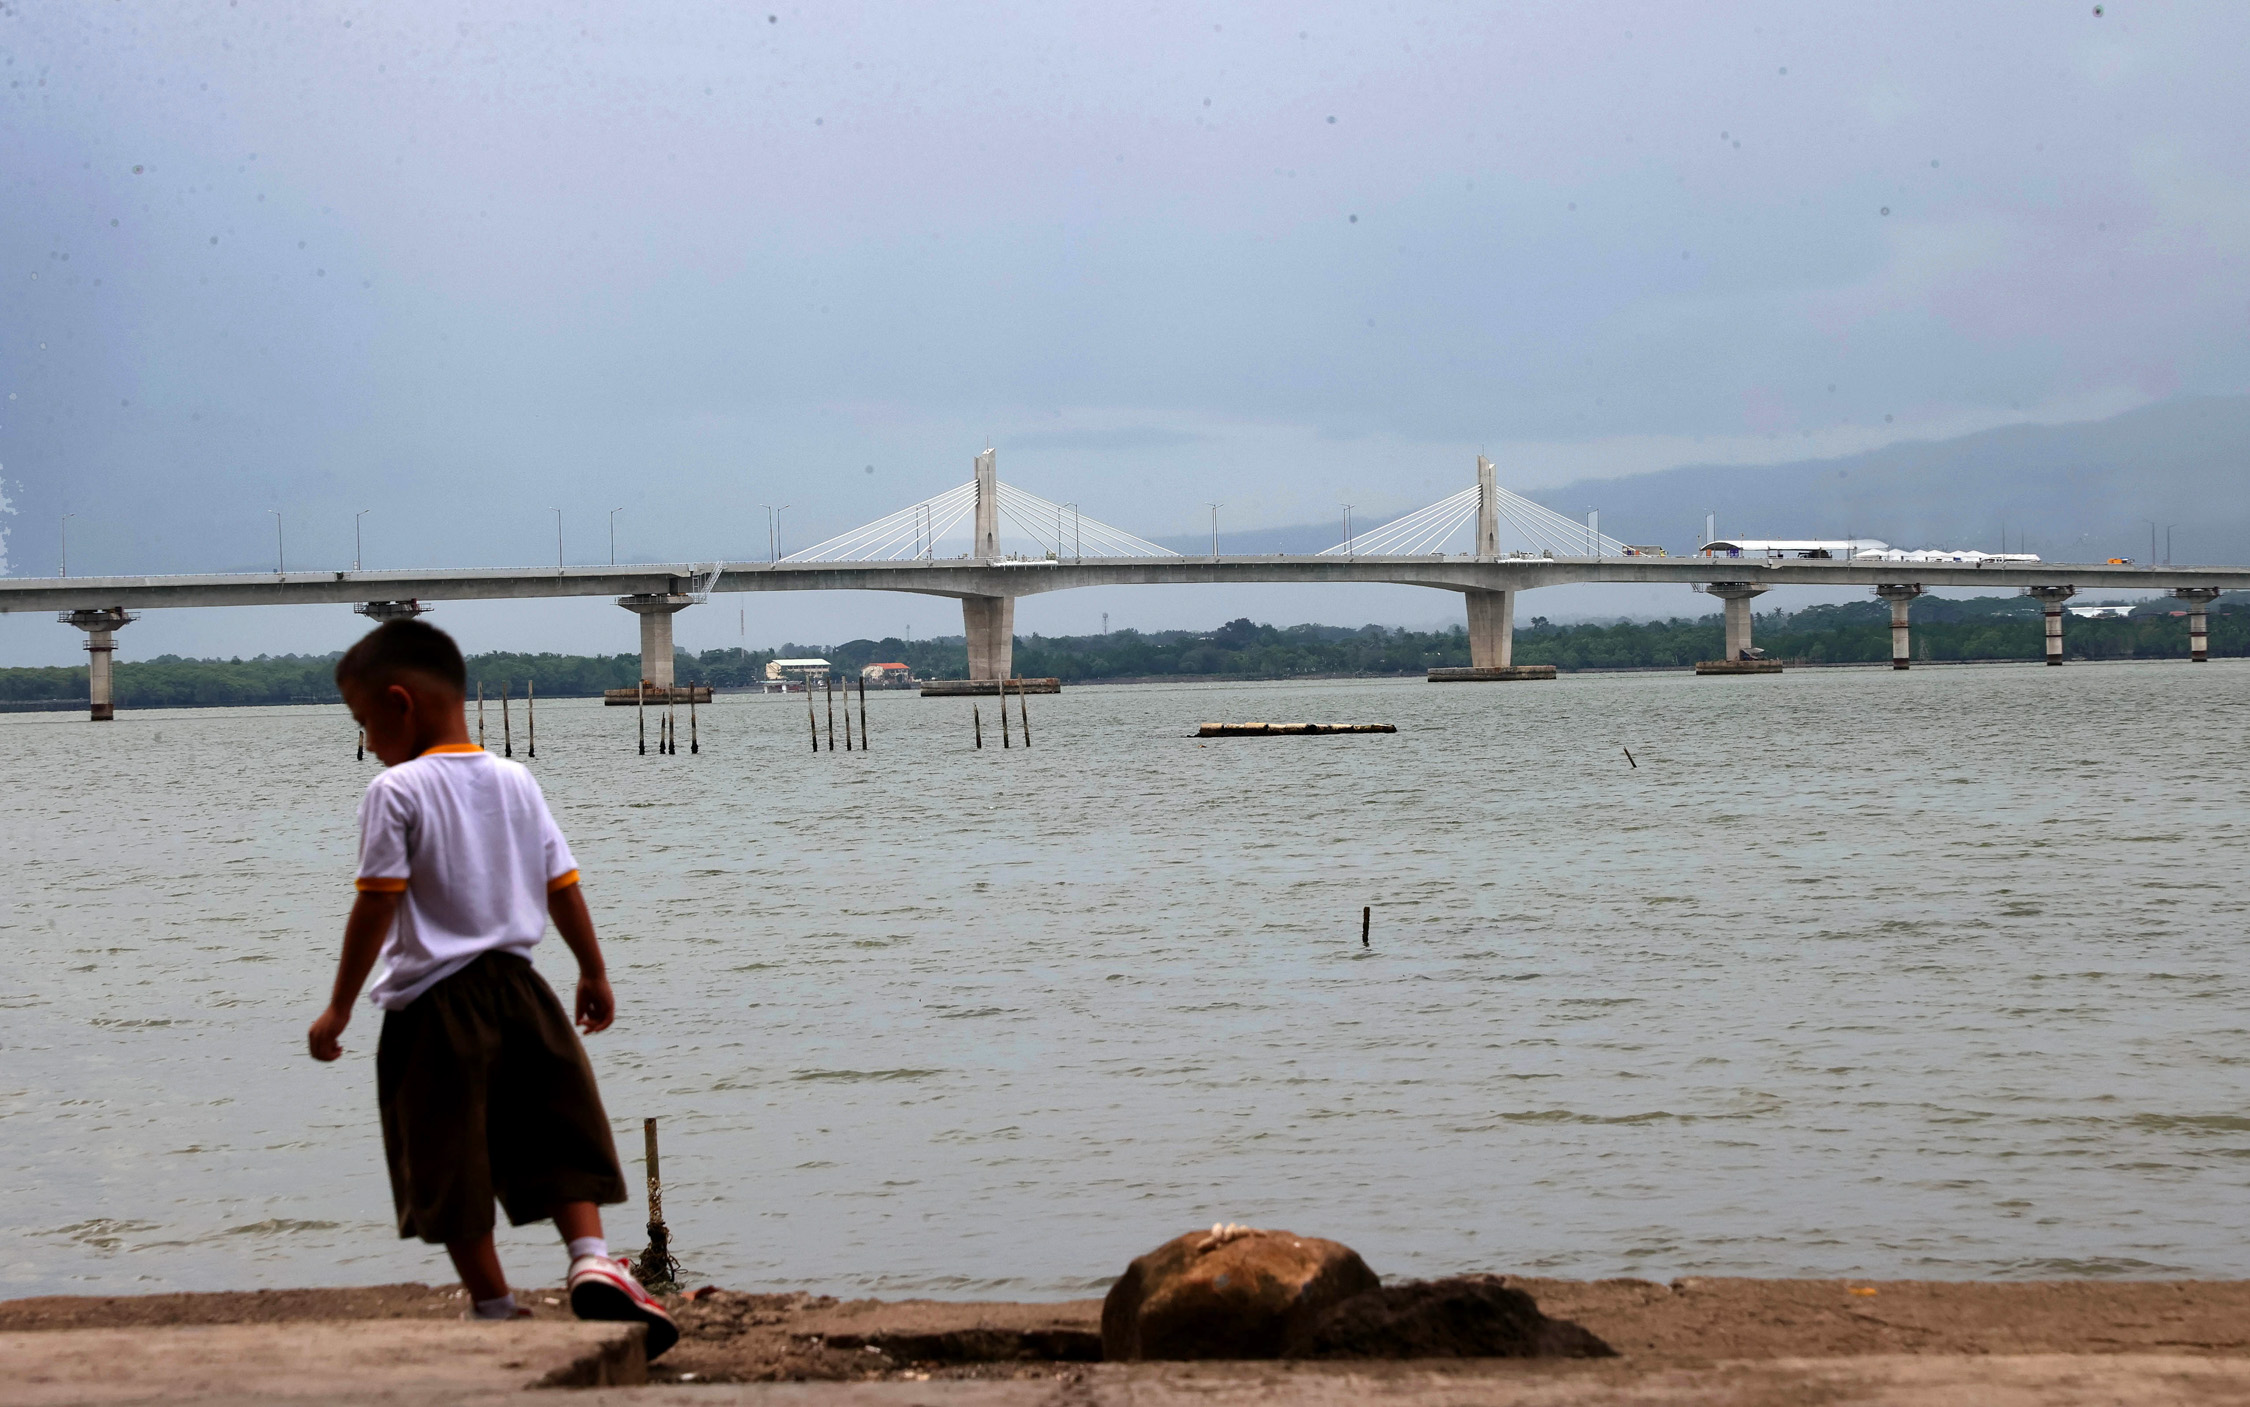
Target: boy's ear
[400,698]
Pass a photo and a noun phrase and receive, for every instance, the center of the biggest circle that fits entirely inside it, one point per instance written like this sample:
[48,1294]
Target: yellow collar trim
[450,747]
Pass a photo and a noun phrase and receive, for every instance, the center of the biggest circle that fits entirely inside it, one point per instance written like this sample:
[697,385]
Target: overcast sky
[688,259]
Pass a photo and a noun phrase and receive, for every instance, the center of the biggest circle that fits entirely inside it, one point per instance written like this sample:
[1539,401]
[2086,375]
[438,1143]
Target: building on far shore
[788,676]
[888,675]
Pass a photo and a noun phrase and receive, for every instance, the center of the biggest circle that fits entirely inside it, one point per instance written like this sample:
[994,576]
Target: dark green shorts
[486,1093]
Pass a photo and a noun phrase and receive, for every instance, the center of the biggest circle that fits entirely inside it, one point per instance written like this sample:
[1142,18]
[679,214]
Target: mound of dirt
[1464,1316]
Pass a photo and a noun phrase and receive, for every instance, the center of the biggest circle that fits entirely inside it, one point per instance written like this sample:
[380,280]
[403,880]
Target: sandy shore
[731,1336]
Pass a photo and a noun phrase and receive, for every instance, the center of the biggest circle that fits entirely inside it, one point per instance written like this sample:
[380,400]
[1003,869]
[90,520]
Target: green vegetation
[1985,628]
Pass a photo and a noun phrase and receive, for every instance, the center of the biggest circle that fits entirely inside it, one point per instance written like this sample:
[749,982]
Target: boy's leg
[578,1220]
[478,1264]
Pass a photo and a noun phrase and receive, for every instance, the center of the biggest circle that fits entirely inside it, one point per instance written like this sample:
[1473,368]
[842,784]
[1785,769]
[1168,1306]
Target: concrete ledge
[1501,674]
[1738,666]
[657,698]
[963,688]
[418,1360]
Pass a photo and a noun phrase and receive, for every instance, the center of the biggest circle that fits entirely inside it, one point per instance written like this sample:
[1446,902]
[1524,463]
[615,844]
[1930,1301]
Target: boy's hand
[596,1007]
[325,1029]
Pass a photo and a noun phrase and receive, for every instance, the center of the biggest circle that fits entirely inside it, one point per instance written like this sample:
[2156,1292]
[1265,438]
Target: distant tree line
[1984,628]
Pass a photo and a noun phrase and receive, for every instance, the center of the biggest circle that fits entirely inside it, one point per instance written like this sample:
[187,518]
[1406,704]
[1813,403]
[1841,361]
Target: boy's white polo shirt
[466,839]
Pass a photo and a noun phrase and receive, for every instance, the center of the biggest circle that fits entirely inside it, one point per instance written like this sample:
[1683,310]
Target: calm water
[1941,974]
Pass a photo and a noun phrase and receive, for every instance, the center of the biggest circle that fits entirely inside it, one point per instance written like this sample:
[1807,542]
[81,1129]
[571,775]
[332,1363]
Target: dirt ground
[730,1336]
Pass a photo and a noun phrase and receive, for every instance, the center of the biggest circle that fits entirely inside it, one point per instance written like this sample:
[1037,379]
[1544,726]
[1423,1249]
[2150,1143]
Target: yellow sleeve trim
[562,881]
[380,884]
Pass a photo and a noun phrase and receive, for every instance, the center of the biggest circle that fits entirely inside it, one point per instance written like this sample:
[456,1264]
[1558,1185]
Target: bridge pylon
[989,622]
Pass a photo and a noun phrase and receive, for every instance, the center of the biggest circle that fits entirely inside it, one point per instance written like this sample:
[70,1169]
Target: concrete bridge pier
[1492,628]
[384,612]
[990,624]
[1900,597]
[1742,656]
[2199,632]
[656,611]
[101,629]
[2050,599]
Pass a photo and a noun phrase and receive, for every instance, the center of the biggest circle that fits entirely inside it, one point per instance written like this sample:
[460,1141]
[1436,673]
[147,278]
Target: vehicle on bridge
[1962,557]
[1817,549]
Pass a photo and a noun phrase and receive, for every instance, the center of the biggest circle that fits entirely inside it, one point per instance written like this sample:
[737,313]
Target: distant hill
[2074,492]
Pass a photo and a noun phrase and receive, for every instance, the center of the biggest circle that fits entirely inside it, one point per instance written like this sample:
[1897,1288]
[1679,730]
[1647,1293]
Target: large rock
[1230,1292]
[1464,1316]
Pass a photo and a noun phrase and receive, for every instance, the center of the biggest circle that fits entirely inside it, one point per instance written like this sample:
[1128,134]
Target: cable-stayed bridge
[986,543]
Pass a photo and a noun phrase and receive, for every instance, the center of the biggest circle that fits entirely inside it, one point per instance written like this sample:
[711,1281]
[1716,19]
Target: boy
[483,1087]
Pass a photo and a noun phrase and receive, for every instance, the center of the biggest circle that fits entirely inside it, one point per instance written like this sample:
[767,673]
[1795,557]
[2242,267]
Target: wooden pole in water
[976,721]
[847,716]
[1004,714]
[480,713]
[362,754]
[694,739]
[507,730]
[672,720]
[1366,919]
[530,718]
[1023,711]
[863,713]
[810,721]
[828,681]
[640,714]
[657,1269]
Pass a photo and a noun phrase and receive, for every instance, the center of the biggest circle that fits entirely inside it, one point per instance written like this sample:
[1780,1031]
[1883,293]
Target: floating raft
[1738,666]
[962,688]
[1455,674]
[1284,730]
[657,698]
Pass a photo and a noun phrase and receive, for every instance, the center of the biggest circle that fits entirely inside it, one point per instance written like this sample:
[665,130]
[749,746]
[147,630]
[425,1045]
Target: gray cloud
[321,257]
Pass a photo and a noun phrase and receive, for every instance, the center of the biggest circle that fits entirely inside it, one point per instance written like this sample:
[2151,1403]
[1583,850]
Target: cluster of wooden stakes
[668,724]
[507,726]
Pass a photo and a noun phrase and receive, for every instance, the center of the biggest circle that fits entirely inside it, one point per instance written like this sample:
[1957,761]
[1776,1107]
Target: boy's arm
[364,932]
[595,1007]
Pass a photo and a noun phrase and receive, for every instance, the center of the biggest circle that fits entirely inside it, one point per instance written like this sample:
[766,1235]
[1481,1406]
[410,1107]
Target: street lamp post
[613,535]
[773,530]
[1347,531]
[1214,530]
[355,535]
[280,555]
[558,535]
[64,570]
[1593,531]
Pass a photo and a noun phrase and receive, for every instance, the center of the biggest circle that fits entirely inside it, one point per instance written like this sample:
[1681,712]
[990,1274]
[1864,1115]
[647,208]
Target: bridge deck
[962,577]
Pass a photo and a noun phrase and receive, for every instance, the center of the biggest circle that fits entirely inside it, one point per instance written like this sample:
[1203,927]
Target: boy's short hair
[397,646]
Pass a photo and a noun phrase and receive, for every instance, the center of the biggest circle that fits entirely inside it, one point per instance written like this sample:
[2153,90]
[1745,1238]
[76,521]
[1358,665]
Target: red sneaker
[601,1288]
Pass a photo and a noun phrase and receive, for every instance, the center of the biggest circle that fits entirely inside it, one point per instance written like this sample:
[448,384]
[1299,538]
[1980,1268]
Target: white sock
[501,1308]
[589,1246]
